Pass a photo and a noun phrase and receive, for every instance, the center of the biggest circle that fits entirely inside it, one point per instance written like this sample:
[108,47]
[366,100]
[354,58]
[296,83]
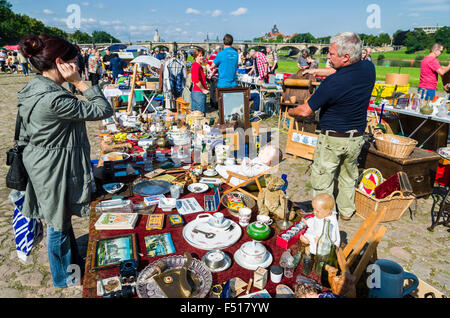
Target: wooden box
[421,167]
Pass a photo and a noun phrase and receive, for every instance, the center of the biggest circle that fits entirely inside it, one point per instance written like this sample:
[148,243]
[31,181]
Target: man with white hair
[343,99]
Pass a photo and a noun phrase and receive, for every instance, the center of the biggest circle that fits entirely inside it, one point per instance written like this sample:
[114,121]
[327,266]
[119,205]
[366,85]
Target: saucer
[198,187]
[252,267]
[225,223]
[210,174]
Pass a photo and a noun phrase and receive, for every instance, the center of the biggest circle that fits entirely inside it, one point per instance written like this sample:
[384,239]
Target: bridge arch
[325,50]
[291,50]
[313,50]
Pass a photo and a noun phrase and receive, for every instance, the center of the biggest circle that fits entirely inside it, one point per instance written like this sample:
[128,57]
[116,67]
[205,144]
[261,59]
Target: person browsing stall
[199,90]
[226,63]
[430,68]
[116,65]
[342,99]
[57,151]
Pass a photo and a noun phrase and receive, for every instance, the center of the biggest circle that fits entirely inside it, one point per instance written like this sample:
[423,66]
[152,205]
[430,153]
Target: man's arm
[325,72]
[442,70]
[301,111]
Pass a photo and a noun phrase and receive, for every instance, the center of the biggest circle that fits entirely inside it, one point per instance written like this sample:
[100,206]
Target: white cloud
[47,11]
[99,6]
[216,13]
[153,10]
[115,22]
[85,4]
[414,14]
[192,11]
[240,11]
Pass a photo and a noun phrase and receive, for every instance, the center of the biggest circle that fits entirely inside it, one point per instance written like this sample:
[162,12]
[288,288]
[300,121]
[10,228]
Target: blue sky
[179,20]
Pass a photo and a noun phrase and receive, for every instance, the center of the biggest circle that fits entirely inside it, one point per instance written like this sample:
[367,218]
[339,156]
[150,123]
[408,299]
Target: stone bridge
[293,48]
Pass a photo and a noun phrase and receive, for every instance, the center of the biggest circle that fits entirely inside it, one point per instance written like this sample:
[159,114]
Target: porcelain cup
[264,219]
[217,218]
[244,216]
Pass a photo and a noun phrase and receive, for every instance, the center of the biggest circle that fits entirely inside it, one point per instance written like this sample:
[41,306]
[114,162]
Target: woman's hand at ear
[69,71]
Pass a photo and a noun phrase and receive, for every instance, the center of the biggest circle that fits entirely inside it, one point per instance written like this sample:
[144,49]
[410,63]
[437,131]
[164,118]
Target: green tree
[103,37]
[303,38]
[80,37]
[400,37]
[442,36]
[417,40]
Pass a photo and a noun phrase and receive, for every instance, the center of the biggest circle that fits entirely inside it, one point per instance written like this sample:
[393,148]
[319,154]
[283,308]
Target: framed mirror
[234,106]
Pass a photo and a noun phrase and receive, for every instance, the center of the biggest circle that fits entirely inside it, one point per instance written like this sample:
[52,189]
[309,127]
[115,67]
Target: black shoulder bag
[17,177]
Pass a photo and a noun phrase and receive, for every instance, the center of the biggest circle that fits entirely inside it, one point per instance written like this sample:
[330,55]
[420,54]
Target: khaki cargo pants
[333,154]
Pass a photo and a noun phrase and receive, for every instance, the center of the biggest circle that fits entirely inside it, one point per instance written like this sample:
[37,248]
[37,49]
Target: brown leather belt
[340,135]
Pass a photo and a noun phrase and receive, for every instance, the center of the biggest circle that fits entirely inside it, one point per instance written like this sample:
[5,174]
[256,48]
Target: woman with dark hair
[57,151]
[199,90]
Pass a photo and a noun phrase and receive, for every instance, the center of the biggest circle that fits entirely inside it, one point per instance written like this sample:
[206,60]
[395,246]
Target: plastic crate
[389,89]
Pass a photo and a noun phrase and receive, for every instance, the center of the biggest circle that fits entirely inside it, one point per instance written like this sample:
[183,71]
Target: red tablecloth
[89,285]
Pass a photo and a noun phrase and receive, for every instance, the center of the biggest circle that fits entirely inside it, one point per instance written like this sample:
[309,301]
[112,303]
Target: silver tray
[146,287]
[151,187]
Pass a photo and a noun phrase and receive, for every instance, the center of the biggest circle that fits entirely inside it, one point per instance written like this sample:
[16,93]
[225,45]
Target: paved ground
[406,241]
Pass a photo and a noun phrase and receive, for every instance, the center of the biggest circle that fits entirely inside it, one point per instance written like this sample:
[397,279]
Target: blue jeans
[255,98]
[62,252]
[198,101]
[426,93]
[25,68]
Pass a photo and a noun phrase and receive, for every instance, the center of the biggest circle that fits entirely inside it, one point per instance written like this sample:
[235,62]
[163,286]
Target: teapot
[258,231]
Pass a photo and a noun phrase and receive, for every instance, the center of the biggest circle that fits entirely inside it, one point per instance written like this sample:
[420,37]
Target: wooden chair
[367,233]
[183,106]
[247,180]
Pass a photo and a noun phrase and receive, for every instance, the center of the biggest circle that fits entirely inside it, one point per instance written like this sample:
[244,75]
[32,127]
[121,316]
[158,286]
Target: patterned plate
[146,286]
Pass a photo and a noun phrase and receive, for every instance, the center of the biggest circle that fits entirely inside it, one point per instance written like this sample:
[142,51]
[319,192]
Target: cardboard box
[260,277]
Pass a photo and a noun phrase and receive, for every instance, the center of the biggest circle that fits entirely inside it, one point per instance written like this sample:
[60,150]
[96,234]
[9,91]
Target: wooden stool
[182,106]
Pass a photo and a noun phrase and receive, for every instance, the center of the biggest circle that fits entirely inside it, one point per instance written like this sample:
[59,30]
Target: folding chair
[366,234]
[247,180]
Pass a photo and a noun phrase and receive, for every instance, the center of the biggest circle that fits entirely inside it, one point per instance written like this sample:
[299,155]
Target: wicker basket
[396,204]
[394,146]
[248,202]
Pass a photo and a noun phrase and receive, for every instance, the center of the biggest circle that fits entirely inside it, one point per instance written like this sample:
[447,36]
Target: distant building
[428,29]
[275,33]
[156,38]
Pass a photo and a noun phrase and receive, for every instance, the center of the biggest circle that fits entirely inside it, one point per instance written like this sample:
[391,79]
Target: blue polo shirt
[343,98]
[227,61]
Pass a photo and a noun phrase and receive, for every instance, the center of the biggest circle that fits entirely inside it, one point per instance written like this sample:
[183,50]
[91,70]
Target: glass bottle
[331,261]
[307,263]
[323,248]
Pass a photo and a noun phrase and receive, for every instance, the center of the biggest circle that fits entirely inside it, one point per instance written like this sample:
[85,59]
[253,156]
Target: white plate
[223,239]
[210,174]
[252,267]
[198,187]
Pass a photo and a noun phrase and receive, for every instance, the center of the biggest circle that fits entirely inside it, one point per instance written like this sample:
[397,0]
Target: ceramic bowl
[258,231]
[253,252]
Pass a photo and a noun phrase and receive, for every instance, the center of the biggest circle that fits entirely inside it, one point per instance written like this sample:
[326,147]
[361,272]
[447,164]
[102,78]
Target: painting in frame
[110,252]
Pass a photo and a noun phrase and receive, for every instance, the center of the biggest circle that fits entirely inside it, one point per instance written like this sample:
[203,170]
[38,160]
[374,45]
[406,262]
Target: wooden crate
[421,167]
[301,143]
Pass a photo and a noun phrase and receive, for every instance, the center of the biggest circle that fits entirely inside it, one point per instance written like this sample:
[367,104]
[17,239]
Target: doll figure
[323,205]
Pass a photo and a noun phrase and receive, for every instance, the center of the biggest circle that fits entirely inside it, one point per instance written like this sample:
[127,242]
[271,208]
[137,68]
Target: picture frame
[110,252]
[234,106]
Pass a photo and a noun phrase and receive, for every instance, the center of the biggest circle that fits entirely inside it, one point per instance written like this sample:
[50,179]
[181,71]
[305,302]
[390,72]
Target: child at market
[323,205]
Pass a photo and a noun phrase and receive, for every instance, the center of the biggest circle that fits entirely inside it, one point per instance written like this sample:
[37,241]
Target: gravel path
[406,241]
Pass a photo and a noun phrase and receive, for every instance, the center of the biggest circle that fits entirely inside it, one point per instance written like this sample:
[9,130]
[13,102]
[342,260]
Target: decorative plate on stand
[146,287]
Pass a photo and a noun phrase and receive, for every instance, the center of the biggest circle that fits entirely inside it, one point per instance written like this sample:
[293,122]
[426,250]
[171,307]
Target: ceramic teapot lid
[253,248]
[258,227]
